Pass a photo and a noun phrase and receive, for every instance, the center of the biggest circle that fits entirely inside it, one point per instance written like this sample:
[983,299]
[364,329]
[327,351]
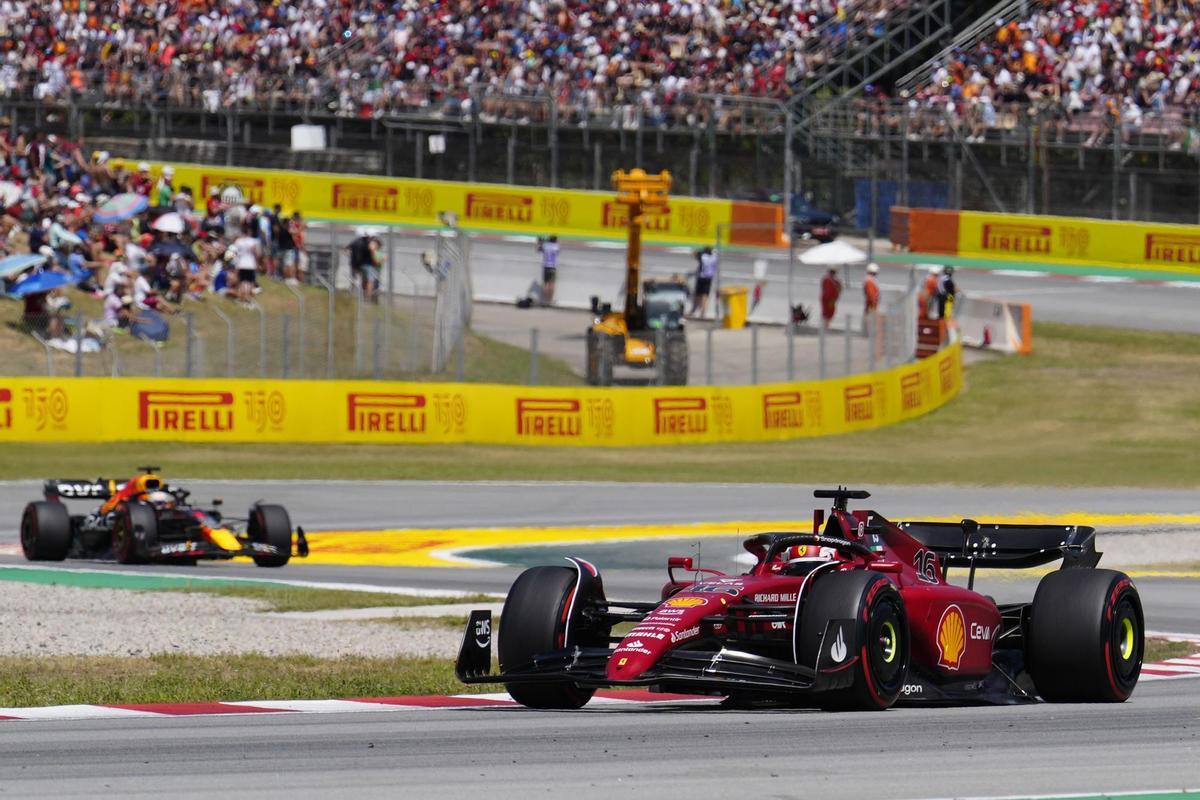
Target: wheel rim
[1126,641]
[888,642]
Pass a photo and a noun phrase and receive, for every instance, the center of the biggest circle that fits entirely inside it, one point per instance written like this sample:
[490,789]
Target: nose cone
[675,622]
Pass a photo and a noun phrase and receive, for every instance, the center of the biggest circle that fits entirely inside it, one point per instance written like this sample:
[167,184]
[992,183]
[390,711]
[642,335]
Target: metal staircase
[983,27]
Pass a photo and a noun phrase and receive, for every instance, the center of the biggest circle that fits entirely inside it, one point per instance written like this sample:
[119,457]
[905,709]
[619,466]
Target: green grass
[1091,407]
[300,598]
[60,680]
[1161,649]
[407,321]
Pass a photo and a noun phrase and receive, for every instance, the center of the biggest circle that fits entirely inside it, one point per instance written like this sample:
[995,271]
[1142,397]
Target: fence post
[821,349]
[461,359]
[791,348]
[708,356]
[872,338]
[377,350]
[358,325]
[262,341]
[302,323]
[329,331]
[533,356]
[660,363]
[753,353]
[189,355]
[848,360]
[286,337]
[78,345]
[229,342]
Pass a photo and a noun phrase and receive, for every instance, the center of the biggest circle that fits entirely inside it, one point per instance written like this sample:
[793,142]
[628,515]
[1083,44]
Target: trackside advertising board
[486,207]
[1024,238]
[245,410]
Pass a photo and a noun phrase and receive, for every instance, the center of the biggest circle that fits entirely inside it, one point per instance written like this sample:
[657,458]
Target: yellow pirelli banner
[479,206]
[1074,240]
[245,410]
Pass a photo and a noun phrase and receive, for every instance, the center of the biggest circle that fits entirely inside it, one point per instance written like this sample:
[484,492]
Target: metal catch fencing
[454,299]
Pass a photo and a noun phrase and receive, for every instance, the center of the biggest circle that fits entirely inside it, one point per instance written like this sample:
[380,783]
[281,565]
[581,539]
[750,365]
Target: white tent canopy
[836,252]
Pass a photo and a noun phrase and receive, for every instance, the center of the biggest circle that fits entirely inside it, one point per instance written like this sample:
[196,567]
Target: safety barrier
[479,207]
[1024,238]
[240,410]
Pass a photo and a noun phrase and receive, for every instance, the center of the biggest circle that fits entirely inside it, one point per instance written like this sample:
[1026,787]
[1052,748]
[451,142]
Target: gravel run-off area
[47,620]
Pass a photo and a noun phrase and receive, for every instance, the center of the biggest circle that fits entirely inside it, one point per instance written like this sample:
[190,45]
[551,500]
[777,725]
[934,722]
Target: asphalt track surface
[1151,742]
[504,267]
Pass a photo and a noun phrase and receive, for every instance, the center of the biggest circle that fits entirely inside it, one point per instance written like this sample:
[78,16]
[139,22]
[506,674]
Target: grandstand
[1063,106]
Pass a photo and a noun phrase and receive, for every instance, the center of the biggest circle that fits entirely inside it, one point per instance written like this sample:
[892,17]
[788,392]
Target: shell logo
[951,637]
[686,602]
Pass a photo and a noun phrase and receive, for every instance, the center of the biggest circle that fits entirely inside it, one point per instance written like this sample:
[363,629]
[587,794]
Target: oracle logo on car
[380,412]
[549,417]
[1172,248]
[366,197]
[616,215]
[860,402]
[680,416]
[185,411]
[1011,238]
[783,410]
[499,207]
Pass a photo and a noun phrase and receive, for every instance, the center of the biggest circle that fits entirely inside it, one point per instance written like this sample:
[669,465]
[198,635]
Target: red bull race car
[857,614]
[143,519]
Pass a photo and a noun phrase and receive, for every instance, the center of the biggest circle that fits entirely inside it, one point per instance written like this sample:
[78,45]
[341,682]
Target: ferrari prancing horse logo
[837,650]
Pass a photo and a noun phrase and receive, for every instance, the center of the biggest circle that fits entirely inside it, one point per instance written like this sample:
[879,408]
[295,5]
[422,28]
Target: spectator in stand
[164,190]
[831,290]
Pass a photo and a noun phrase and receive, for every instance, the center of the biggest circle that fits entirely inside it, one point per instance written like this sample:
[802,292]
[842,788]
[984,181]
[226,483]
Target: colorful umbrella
[41,282]
[14,265]
[170,222]
[121,207]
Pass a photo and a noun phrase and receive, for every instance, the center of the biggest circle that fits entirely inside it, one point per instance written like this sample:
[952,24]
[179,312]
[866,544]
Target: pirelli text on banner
[245,410]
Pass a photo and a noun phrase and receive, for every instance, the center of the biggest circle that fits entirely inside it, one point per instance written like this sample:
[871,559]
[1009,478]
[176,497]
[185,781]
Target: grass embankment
[63,680]
[288,598]
[1091,407]
[405,340]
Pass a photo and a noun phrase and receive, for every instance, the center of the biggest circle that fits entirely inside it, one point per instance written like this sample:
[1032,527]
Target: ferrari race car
[857,614]
[144,519]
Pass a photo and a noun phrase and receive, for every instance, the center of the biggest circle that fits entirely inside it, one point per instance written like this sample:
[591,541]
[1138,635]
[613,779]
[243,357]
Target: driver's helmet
[160,499]
[803,558]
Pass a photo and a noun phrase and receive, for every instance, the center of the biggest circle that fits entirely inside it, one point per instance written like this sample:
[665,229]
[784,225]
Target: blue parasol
[16,264]
[41,282]
[120,208]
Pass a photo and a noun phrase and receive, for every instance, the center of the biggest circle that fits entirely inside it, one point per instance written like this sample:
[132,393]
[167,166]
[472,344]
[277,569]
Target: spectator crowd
[131,237]
[359,58]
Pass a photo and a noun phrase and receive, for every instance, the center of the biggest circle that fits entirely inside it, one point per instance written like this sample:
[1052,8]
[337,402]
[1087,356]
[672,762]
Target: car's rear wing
[971,544]
[72,489]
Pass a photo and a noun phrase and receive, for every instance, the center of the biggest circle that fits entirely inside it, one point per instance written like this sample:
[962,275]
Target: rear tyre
[880,634]
[675,370]
[271,525]
[134,533]
[533,622]
[1086,636]
[45,531]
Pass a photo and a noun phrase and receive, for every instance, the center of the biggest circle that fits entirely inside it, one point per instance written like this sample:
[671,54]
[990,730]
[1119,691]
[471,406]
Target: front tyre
[879,663]
[271,525]
[535,621]
[1086,636]
[134,533]
[45,531]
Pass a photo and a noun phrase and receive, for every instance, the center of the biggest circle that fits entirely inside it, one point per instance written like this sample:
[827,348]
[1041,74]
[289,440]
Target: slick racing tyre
[533,622]
[134,533]
[1086,636]
[878,644]
[45,531]
[271,525]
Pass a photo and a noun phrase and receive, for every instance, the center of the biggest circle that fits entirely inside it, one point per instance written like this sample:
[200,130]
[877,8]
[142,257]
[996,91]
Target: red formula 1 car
[857,614]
